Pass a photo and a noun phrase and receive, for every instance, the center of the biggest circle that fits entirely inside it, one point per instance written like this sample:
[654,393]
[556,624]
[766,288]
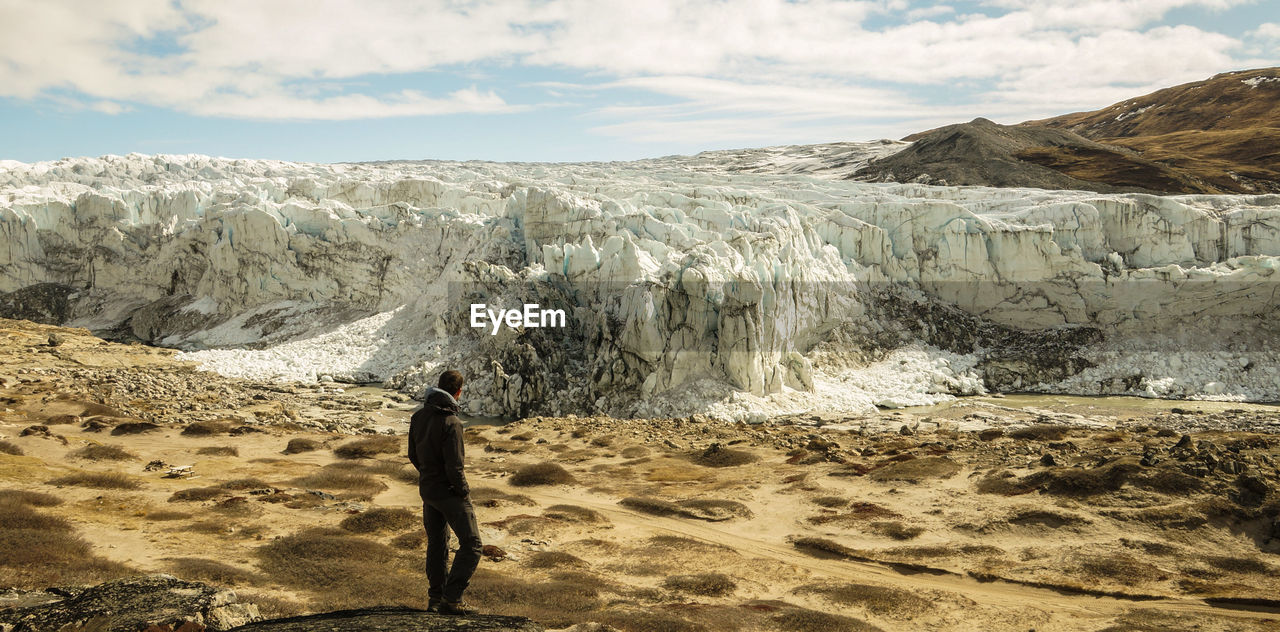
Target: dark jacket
[435,447]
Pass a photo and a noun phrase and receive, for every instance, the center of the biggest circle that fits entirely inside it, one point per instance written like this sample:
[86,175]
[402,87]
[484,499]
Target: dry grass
[822,547]
[39,550]
[28,498]
[340,570]
[134,427]
[554,559]
[369,447]
[1121,568]
[702,584]
[1080,482]
[381,519]
[336,479]
[941,550]
[857,513]
[490,497]
[301,445]
[1041,432]
[218,451]
[7,447]
[205,570]
[831,502]
[895,530]
[879,600]
[207,428]
[1115,436]
[272,607]
[574,513]
[718,456]
[650,621]
[210,527]
[165,516]
[916,470]
[805,620]
[97,480]
[681,543]
[237,506]
[554,604]
[411,541]
[1002,482]
[1036,517]
[1239,564]
[15,514]
[700,509]
[196,494]
[243,484]
[541,474]
[396,470]
[100,452]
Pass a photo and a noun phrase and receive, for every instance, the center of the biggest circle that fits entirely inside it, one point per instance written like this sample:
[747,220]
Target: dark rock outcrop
[129,605]
[44,303]
[392,619]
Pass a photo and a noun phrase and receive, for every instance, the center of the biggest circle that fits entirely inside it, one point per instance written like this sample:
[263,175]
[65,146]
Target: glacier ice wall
[691,284]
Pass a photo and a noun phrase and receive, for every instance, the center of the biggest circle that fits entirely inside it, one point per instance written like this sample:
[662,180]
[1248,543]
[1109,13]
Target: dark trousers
[438,516]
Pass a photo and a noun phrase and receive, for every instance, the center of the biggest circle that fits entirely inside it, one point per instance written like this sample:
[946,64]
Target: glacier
[736,285]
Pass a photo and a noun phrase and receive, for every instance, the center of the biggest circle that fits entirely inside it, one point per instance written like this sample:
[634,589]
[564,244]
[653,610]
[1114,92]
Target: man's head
[451,382]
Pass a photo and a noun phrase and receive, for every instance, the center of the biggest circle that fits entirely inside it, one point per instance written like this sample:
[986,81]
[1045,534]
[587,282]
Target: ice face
[733,283]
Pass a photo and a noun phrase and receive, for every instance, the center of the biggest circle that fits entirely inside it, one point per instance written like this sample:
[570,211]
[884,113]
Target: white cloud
[1266,31]
[775,63]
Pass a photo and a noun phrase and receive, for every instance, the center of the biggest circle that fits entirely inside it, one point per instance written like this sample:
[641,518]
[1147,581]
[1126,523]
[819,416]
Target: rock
[493,553]
[55,340]
[129,605]
[1047,460]
[1183,443]
[1254,483]
[392,619]
[991,434]
[905,430]
[37,430]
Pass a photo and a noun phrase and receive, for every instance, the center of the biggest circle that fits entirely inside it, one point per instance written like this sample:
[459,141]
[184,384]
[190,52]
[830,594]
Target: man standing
[435,448]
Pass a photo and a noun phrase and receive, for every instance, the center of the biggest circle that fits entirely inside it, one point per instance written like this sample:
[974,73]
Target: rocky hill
[984,153]
[1223,133]
[1212,137]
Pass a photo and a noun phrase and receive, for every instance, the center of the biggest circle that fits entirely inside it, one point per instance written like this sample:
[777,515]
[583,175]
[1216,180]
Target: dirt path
[997,594]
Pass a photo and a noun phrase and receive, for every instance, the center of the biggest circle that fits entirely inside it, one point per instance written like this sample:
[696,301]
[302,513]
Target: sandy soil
[1079,514]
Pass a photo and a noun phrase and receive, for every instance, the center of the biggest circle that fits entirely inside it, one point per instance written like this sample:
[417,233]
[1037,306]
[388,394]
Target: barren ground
[1065,514]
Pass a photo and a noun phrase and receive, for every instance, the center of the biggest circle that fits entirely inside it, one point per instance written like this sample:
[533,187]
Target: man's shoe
[456,608]
[434,605]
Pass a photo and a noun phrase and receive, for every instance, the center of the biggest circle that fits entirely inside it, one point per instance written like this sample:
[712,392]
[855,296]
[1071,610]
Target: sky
[579,80]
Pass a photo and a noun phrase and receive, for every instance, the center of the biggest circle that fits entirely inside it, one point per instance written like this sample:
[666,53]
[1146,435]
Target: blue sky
[555,80]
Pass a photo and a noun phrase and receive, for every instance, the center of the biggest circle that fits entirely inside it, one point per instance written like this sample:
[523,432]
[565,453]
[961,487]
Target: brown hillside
[1221,135]
[1241,100]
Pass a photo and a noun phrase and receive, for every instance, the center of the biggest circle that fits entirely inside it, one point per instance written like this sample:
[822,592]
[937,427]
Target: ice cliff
[736,283]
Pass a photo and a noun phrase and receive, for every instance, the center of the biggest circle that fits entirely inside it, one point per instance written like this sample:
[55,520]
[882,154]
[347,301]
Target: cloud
[1266,31]
[732,69]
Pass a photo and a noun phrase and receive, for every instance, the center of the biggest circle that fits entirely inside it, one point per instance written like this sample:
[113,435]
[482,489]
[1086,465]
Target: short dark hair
[451,381]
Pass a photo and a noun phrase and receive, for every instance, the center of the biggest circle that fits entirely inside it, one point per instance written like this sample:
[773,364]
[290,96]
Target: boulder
[128,605]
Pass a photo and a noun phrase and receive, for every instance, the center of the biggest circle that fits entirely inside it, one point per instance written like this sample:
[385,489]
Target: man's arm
[415,429]
[454,455]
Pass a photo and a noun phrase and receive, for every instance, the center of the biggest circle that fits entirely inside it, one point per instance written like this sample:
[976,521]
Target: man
[435,448]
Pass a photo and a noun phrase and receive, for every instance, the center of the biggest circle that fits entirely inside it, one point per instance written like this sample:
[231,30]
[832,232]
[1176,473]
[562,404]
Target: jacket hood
[441,400]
